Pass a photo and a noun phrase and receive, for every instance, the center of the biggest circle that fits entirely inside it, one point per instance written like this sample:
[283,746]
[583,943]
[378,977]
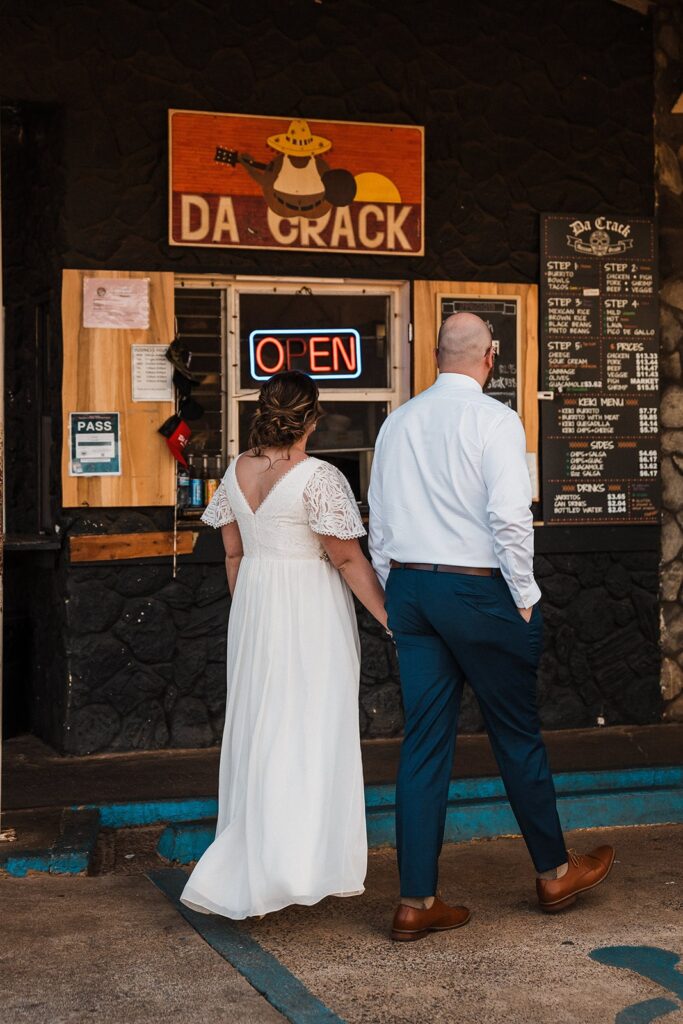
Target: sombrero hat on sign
[299,141]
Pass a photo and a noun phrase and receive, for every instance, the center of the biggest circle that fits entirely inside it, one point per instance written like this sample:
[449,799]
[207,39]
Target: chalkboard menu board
[599,367]
[502,316]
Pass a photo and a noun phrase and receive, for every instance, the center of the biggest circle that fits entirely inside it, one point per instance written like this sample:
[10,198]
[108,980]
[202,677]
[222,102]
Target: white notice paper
[151,374]
[116,302]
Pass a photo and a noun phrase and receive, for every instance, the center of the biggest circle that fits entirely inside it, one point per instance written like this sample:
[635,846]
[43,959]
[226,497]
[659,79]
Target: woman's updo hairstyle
[287,406]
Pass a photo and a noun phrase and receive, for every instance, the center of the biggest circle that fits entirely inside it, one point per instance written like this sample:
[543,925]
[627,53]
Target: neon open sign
[323,355]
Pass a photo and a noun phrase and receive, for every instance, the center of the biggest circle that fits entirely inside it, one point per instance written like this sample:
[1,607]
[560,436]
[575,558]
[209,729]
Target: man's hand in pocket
[526,613]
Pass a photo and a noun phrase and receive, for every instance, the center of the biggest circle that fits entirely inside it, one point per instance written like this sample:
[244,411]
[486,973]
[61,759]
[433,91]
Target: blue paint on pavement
[651,962]
[659,965]
[264,972]
[643,1013]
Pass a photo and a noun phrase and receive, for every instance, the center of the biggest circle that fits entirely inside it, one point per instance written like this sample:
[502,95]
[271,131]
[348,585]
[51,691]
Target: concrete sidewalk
[114,948]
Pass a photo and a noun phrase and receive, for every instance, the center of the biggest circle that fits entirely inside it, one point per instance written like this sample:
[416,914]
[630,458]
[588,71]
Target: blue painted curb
[70,854]
[263,971]
[478,809]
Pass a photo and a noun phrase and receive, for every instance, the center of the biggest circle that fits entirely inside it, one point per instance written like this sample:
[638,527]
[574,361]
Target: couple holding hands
[451,540]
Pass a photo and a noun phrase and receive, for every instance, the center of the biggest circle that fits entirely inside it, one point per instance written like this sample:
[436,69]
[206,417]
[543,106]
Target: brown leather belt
[465,570]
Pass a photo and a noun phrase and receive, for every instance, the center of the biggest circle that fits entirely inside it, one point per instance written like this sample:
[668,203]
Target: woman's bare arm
[232,542]
[348,558]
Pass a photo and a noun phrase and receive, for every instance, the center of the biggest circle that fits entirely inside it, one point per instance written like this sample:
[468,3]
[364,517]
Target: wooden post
[6,835]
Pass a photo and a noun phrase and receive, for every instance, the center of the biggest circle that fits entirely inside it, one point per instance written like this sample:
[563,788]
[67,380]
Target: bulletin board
[432,299]
[97,379]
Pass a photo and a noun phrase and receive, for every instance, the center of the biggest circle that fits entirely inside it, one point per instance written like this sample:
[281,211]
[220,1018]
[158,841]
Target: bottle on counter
[205,478]
[196,485]
[213,478]
[183,487]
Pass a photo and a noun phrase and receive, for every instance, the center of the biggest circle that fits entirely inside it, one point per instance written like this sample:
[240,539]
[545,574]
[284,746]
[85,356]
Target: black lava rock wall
[528,106]
[146,653]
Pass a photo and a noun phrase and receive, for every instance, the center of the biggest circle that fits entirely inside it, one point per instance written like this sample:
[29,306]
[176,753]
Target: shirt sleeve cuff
[381,567]
[525,595]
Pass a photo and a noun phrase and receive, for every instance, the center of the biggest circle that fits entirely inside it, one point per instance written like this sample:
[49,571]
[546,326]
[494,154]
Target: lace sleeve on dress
[218,512]
[331,505]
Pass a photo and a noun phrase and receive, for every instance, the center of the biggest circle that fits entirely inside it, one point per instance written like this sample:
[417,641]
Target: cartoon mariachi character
[297,182]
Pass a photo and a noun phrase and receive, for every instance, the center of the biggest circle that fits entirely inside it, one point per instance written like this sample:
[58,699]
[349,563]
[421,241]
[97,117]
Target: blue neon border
[316,330]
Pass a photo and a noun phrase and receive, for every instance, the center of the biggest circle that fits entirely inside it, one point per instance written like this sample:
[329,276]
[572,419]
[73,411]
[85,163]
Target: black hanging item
[182,383]
[180,356]
[190,409]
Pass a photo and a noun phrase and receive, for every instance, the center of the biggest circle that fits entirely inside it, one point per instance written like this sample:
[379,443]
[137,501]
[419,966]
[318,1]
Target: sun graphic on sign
[376,188]
[299,182]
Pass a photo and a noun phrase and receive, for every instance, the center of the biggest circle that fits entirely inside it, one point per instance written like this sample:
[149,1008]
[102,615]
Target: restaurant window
[351,337]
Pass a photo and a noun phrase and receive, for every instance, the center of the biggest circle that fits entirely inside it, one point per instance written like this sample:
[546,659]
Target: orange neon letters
[280,355]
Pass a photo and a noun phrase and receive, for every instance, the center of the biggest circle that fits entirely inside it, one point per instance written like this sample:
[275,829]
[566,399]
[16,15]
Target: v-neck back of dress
[279,527]
[255,511]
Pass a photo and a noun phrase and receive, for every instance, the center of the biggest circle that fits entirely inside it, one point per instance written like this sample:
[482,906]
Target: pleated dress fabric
[291,814]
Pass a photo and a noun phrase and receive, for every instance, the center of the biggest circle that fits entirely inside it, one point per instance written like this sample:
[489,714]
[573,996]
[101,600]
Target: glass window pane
[342,339]
[346,426]
[345,437]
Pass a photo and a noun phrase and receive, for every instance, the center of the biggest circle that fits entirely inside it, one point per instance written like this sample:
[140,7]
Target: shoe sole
[552,908]
[402,936]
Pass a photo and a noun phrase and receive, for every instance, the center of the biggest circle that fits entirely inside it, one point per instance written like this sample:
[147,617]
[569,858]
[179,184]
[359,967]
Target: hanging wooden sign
[271,183]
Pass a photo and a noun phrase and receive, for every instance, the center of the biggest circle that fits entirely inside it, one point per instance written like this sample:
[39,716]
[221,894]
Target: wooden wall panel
[112,547]
[97,378]
[424,359]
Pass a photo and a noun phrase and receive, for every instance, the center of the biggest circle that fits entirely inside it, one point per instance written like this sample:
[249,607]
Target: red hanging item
[177,434]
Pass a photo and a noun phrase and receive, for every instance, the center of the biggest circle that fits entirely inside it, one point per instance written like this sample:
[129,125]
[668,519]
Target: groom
[451,536]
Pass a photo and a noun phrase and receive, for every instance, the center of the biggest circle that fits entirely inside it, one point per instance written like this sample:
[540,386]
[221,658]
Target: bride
[291,814]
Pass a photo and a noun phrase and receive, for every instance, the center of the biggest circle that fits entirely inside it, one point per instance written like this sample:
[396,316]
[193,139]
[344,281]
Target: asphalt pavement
[115,949]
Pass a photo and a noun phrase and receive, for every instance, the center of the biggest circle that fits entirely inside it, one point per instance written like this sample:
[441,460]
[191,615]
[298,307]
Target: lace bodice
[313,498]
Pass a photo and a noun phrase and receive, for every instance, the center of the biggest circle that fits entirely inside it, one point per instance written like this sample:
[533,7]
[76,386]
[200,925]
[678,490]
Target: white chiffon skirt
[291,814]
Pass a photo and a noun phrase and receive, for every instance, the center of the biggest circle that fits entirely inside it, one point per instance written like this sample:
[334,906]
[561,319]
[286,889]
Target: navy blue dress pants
[450,627]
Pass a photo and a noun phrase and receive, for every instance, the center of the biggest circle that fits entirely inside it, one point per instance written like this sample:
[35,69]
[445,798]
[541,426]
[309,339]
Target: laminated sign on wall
[116,302]
[95,444]
[273,183]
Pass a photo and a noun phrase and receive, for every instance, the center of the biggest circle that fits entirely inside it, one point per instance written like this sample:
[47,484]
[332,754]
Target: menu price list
[599,360]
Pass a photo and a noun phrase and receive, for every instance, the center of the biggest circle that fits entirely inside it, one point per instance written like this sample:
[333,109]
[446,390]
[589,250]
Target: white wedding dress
[291,813]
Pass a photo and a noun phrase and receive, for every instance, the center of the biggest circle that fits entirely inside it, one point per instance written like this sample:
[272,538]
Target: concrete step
[478,809]
[64,841]
[53,841]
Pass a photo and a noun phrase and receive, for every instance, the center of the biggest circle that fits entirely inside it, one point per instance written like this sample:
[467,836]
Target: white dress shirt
[450,485]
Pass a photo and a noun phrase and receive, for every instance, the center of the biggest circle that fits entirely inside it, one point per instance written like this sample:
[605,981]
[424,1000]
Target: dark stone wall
[146,653]
[529,106]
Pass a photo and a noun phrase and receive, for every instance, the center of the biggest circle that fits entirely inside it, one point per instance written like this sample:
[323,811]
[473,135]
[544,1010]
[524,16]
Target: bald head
[464,343]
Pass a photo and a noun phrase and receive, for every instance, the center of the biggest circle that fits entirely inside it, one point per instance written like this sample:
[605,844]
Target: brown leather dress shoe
[585,871]
[411,924]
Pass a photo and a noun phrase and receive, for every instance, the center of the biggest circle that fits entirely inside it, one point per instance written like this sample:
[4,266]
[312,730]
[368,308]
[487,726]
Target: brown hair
[287,406]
